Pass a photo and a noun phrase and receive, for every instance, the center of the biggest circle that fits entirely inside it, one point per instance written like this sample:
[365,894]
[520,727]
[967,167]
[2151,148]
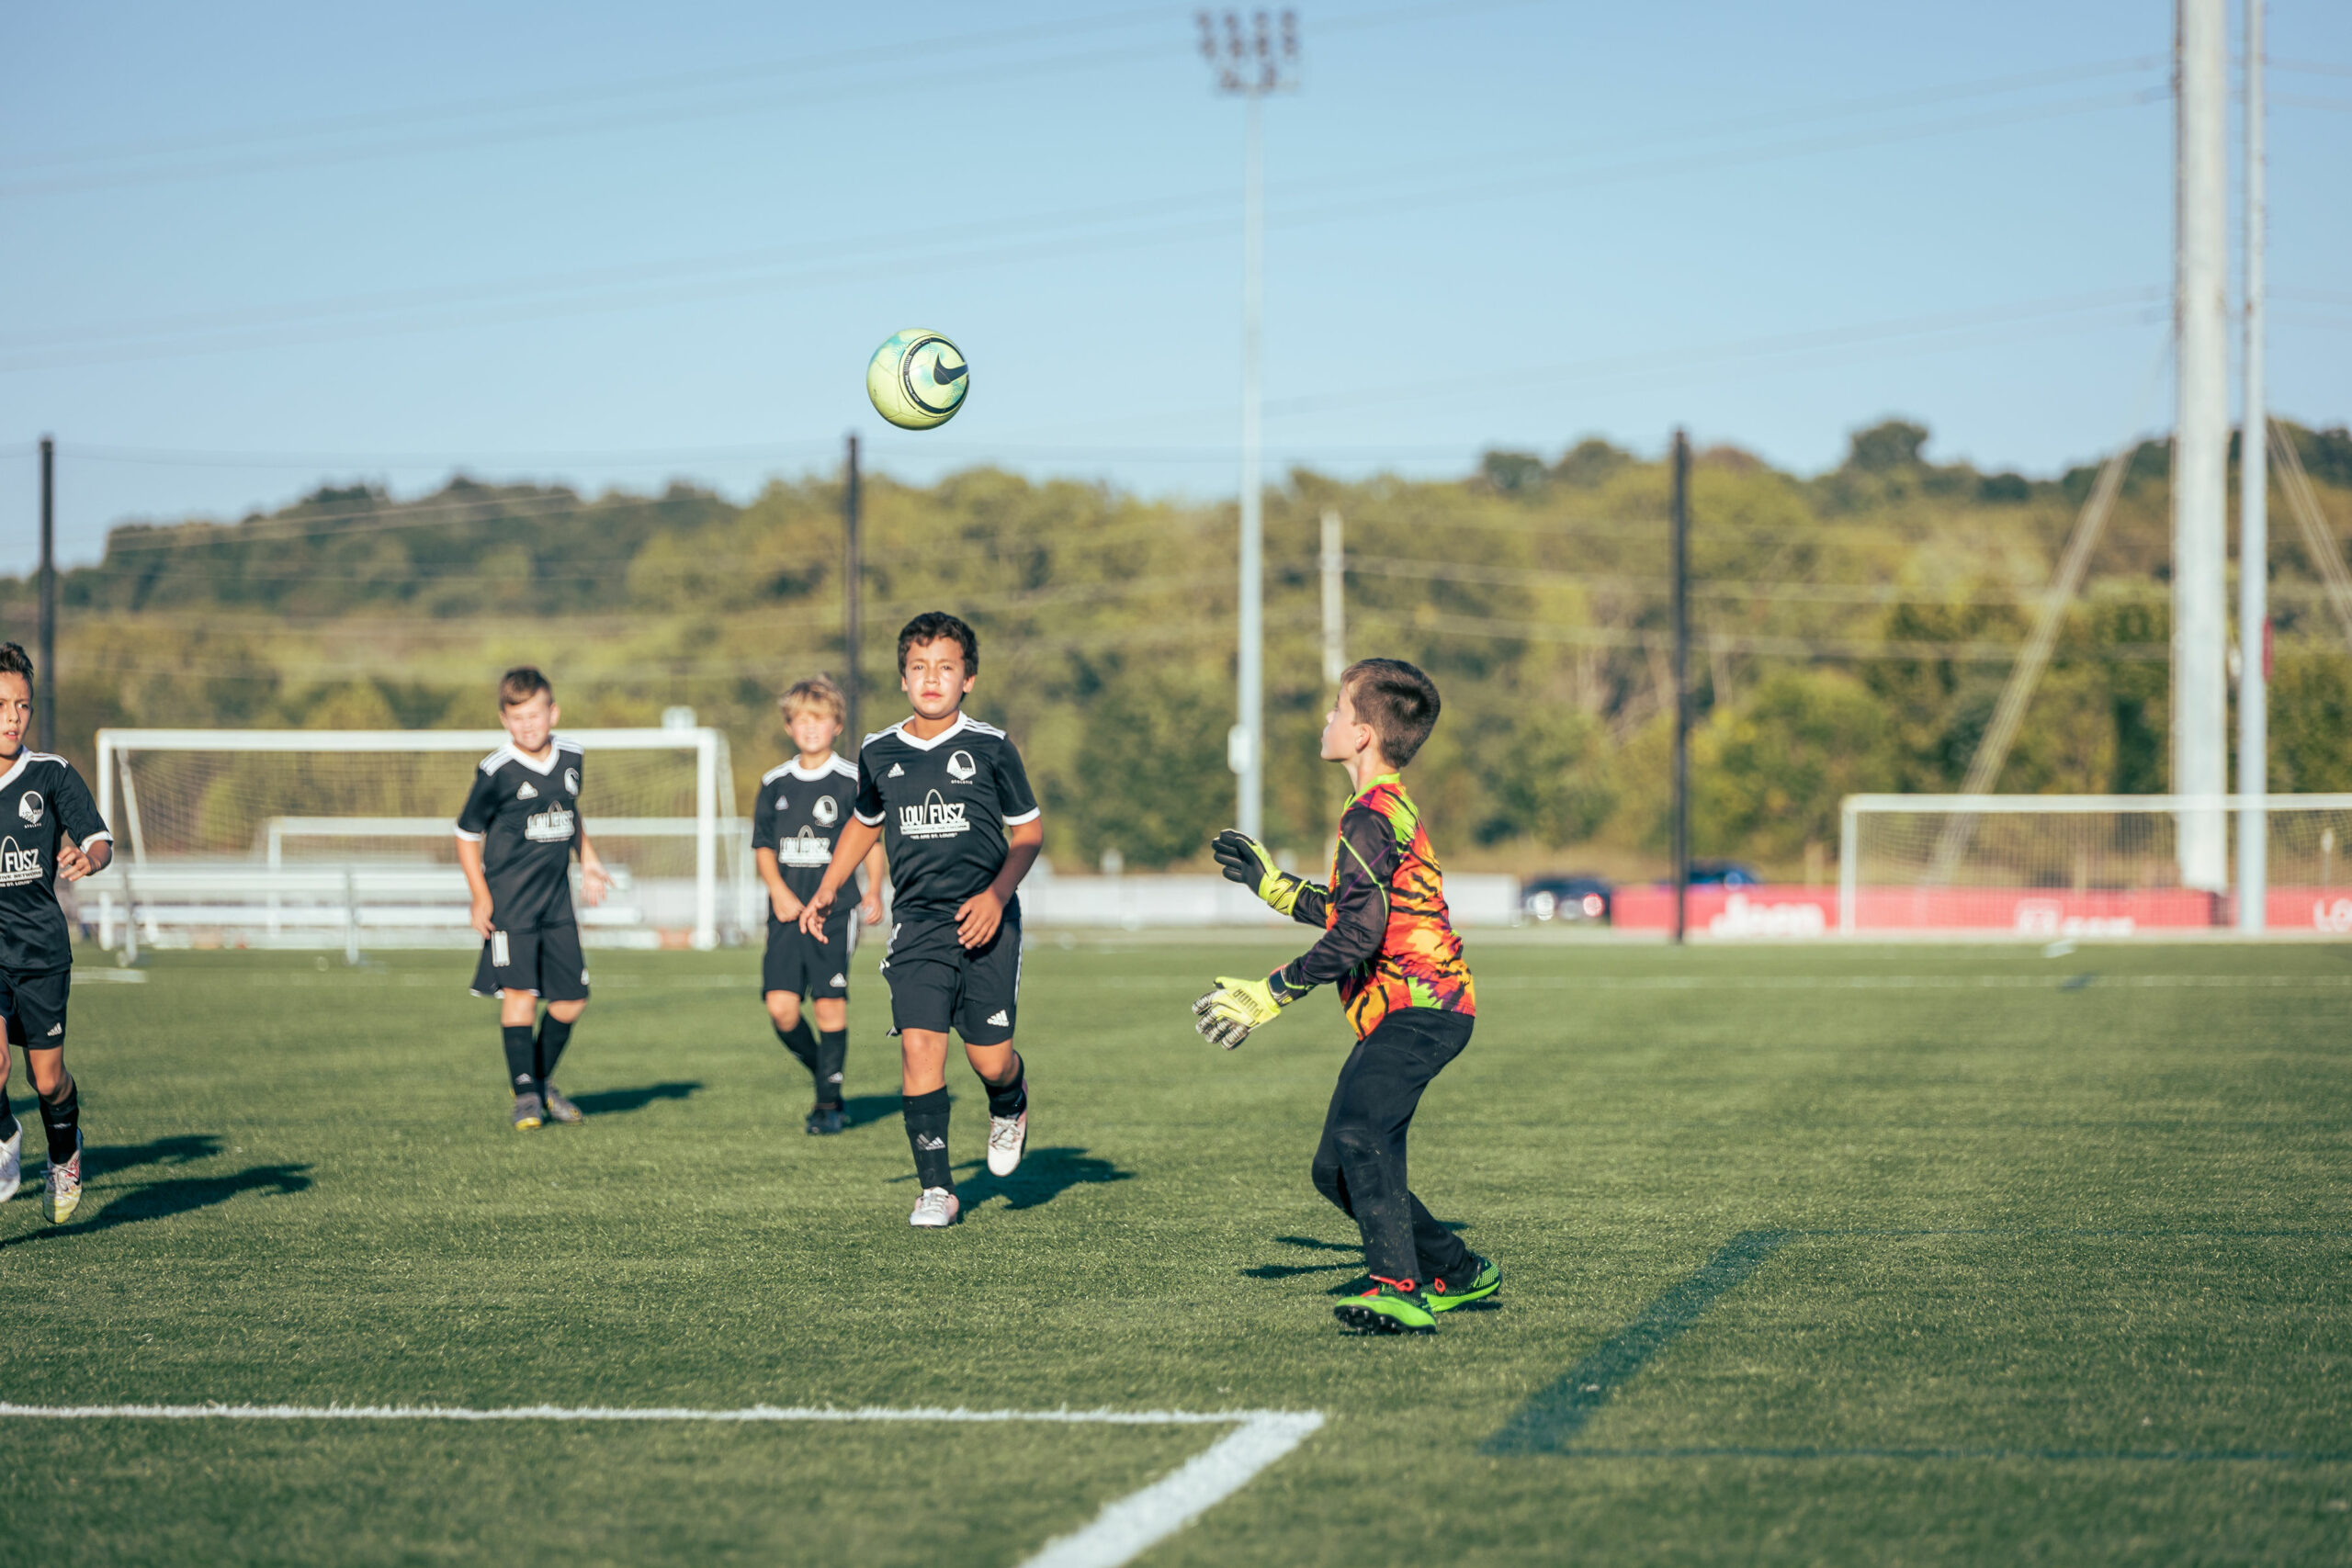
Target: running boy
[516,838]
[949,795]
[801,805]
[49,829]
[1390,944]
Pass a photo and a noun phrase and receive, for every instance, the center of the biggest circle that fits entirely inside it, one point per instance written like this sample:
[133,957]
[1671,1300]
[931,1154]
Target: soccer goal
[288,838]
[2047,866]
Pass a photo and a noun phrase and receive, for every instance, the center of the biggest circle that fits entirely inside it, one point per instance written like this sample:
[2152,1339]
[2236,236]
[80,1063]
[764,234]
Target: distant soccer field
[1812,1255]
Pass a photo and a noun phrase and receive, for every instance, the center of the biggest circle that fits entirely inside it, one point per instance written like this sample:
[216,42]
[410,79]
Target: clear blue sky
[245,248]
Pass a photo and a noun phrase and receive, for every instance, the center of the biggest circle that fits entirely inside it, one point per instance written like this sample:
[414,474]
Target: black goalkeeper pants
[1360,1165]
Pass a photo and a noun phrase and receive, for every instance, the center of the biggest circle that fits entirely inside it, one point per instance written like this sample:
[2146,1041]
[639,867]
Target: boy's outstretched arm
[1356,907]
[849,847]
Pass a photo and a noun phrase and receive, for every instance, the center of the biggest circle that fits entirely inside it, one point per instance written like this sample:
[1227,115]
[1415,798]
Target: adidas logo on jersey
[526,792]
[895,772]
[998,1020]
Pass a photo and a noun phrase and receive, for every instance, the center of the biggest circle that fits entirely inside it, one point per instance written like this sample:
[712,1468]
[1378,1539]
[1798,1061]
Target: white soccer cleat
[63,1192]
[935,1209]
[12,1163]
[1008,1136]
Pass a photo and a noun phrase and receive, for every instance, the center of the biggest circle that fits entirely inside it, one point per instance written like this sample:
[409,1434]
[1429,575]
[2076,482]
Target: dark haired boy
[48,828]
[1389,943]
[516,838]
[801,807]
[951,798]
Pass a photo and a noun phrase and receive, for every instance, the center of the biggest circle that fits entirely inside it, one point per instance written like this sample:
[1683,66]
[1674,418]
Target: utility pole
[1681,686]
[1334,562]
[45,678]
[1251,62]
[2254,523]
[853,577]
[2200,445]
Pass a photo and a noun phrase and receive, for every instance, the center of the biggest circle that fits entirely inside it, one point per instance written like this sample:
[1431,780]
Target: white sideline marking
[1125,1528]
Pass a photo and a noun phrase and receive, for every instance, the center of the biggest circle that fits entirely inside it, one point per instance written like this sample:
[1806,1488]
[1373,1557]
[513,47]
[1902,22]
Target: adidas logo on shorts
[839,980]
[999,1020]
[56,1029]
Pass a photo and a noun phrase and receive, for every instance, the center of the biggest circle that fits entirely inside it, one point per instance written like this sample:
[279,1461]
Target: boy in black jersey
[49,829]
[801,806]
[516,838]
[950,796]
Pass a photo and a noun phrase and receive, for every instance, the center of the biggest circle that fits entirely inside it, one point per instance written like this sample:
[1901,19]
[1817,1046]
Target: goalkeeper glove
[1244,859]
[1228,1014]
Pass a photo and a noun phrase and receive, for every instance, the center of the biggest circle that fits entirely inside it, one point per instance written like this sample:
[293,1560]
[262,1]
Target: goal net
[345,838]
[2082,865]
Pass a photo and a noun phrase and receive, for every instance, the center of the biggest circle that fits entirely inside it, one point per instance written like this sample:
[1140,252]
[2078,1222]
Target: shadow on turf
[620,1101]
[175,1195]
[859,1110]
[1355,1285]
[1045,1175]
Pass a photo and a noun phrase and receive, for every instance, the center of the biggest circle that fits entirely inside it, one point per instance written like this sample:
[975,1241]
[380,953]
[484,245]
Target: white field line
[1125,1528]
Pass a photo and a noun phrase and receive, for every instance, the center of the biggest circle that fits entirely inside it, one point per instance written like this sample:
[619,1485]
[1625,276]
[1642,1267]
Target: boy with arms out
[802,804]
[952,799]
[516,838]
[49,829]
[1389,943]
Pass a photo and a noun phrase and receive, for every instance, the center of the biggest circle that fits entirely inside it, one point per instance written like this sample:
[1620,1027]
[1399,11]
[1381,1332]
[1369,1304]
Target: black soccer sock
[833,1050]
[62,1119]
[800,1042]
[927,1134]
[521,1068]
[1013,1098]
[8,1125]
[554,1035]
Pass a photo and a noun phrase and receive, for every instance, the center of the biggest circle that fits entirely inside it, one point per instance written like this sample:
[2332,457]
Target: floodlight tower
[1251,58]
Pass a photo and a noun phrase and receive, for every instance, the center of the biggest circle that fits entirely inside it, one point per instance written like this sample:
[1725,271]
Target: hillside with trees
[1853,629]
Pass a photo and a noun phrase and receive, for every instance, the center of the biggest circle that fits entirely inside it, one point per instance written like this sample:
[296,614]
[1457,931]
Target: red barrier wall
[1787,912]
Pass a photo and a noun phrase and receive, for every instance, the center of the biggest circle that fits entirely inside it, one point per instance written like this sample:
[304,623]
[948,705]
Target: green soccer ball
[917,379]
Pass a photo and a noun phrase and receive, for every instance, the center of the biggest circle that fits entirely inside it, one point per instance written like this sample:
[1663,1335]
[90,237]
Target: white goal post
[290,835]
[2060,865]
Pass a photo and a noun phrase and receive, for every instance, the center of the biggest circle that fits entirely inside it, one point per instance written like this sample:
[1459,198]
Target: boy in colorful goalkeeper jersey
[1389,944]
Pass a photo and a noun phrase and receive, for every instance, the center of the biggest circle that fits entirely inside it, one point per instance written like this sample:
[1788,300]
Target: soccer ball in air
[917,379]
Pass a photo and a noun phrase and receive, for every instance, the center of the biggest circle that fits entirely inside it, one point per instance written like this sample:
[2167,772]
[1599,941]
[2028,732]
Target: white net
[345,838]
[2056,866]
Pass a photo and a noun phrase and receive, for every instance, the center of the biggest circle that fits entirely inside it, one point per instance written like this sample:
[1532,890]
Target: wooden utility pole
[45,677]
[853,575]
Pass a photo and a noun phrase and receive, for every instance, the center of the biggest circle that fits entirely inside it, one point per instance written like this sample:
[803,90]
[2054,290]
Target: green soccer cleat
[529,1113]
[1485,1278]
[1385,1309]
[557,1108]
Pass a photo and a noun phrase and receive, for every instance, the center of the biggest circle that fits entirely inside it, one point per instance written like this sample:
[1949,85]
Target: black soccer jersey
[799,814]
[41,797]
[942,806]
[526,816]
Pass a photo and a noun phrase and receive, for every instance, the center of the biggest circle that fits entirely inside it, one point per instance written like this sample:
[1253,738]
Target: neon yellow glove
[1244,859]
[1228,1014]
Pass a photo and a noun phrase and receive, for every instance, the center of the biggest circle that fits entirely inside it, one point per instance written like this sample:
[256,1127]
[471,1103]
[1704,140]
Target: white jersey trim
[469,837]
[104,835]
[25,759]
[834,764]
[964,721]
[507,753]
[1029,815]
[874,822]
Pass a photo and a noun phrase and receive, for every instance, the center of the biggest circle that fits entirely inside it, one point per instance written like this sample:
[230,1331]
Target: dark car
[1724,873]
[1566,898]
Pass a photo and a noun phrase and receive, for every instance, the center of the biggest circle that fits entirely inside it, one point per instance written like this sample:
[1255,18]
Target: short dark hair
[15,660]
[1399,703]
[520,685]
[931,626]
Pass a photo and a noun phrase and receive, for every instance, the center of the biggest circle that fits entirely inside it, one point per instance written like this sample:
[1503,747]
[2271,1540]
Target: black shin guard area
[62,1119]
[1013,1098]
[801,1042]
[554,1035]
[833,1050]
[522,1064]
[926,1117]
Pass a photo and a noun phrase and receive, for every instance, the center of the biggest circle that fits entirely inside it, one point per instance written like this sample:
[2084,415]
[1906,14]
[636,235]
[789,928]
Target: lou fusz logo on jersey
[934,818]
[805,848]
[18,866]
[553,826]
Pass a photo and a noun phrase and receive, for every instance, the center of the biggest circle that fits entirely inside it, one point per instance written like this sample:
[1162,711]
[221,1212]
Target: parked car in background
[1724,873]
[1566,900]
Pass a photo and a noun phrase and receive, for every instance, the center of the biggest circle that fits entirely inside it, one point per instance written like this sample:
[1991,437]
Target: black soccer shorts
[545,962]
[935,983]
[797,963]
[35,1007]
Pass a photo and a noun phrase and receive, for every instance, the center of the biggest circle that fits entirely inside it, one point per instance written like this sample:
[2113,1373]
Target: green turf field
[1816,1254]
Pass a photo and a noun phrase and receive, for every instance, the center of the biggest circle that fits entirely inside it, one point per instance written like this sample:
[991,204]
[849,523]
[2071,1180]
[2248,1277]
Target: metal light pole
[2200,448]
[45,689]
[1251,62]
[2254,525]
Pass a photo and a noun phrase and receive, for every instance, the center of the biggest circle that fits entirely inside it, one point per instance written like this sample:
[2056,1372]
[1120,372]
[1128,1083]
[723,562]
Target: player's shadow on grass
[1357,1281]
[859,1110]
[186,1149]
[620,1101]
[173,1195]
[1045,1175]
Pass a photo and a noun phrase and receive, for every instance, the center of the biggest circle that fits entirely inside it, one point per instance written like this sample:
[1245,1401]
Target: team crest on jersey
[18,866]
[572,781]
[29,806]
[827,811]
[961,768]
[525,792]
[934,818]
